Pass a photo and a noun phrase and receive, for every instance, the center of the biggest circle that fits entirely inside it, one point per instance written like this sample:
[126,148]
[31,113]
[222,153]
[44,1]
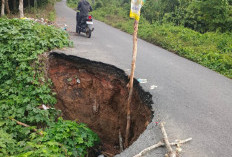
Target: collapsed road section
[96,94]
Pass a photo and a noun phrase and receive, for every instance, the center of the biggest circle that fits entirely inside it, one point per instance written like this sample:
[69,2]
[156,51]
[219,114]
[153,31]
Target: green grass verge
[212,49]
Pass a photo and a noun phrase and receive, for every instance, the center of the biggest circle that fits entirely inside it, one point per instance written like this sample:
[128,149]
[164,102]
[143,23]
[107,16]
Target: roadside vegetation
[197,30]
[31,8]
[24,89]
[30,126]
[72,3]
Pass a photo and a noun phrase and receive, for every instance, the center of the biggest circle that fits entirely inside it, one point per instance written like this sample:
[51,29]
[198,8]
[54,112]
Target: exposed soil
[96,94]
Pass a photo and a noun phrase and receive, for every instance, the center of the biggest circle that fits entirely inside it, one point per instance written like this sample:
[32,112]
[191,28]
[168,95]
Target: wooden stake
[135,39]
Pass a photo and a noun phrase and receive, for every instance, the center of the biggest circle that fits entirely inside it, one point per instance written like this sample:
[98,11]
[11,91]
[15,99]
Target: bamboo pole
[135,39]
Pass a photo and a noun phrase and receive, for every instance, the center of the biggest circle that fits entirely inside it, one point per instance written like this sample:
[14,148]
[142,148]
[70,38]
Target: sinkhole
[96,94]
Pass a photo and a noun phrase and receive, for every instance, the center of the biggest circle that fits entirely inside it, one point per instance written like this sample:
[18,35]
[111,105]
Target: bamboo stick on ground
[143,152]
[160,144]
[171,153]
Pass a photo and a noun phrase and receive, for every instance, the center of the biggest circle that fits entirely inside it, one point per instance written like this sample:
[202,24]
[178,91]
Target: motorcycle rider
[84,7]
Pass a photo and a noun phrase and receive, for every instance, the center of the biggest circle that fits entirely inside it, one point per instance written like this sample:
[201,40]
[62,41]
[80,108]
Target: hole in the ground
[95,93]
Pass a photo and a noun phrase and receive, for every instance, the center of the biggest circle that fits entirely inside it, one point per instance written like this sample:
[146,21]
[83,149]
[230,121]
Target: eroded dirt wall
[95,93]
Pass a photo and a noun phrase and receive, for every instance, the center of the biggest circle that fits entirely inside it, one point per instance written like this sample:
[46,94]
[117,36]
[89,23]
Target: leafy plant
[7,144]
[77,138]
[63,138]
[24,87]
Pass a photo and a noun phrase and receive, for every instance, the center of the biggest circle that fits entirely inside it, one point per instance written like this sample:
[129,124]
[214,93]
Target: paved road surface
[193,100]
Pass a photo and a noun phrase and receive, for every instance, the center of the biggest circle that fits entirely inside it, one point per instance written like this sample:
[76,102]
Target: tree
[3,8]
[169,5]
[21,15]
[151,10]
[29,4]
[208,15]
[215,13]
[14,5]
[35,3]
[7,7]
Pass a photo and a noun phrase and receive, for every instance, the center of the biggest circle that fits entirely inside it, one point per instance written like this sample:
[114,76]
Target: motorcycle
[85,26]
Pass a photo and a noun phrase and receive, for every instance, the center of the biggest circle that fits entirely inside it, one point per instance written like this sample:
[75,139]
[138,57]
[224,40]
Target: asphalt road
[193,100]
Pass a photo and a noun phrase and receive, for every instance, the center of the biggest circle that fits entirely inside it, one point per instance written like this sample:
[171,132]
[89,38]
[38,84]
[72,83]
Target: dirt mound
[96,94]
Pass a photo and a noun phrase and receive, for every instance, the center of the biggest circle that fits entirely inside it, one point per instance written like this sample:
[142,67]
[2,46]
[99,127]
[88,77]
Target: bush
[63,138]
[98,4]
[24,87]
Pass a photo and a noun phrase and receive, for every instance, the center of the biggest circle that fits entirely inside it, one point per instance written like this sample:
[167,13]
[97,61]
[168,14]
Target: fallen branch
[161,144]
[25,125]
[166,143]
[171,153]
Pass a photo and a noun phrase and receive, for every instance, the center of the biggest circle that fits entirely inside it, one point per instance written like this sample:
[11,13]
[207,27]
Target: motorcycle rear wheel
[88,33]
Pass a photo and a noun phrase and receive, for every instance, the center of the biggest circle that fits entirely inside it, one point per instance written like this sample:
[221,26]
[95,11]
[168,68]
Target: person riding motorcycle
[84,7]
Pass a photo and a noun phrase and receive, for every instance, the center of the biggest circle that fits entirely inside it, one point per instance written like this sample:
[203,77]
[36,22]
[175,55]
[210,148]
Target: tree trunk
[3,8]
[29,4]
[7,7]
[21,9]
[14,5]
[35,4]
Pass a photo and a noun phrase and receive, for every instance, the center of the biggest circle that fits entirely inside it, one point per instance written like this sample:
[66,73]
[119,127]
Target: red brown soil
[96,94]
